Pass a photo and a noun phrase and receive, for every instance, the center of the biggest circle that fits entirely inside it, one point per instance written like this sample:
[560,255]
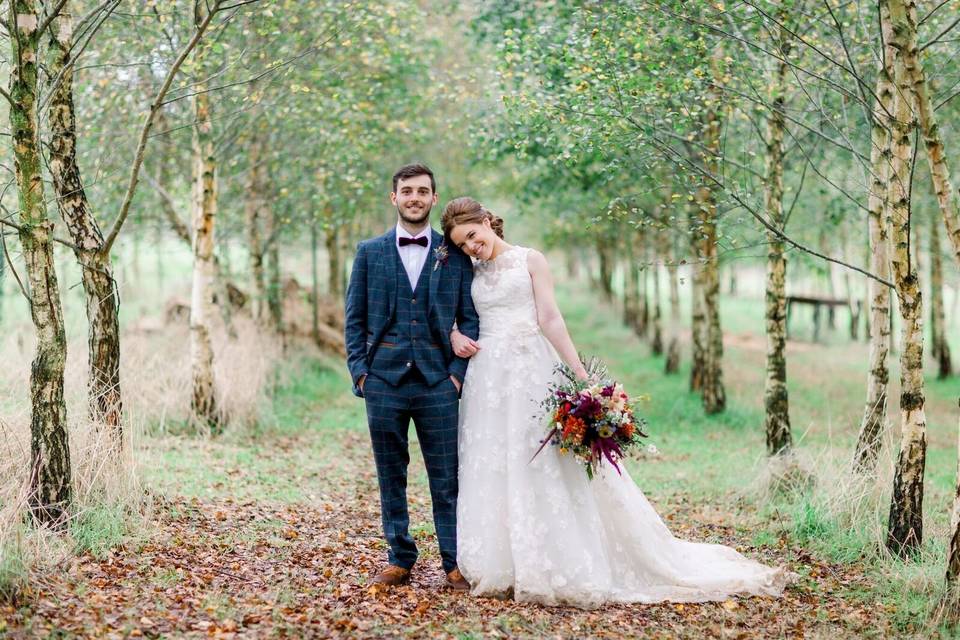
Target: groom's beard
[415,216]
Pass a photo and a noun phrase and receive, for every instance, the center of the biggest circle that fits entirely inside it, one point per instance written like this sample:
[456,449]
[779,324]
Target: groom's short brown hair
[412,171]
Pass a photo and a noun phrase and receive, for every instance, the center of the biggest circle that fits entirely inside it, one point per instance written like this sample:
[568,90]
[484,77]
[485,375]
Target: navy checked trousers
[434,413]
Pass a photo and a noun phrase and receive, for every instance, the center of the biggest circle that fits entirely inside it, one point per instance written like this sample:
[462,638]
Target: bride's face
[475,239]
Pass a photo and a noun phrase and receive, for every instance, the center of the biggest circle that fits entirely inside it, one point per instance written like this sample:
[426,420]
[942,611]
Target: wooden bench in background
[818,302]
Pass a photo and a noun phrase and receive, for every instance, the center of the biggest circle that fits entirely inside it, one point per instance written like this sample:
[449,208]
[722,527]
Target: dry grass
[155,375]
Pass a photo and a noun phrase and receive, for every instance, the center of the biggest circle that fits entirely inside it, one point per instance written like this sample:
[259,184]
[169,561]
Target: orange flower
[626,430]
[574,429]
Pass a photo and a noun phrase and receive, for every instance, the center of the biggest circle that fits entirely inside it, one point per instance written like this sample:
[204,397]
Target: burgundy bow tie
[422,241]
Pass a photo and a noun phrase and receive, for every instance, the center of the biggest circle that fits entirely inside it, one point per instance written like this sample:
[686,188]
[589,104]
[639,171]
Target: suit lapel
[430,263]
[392,265]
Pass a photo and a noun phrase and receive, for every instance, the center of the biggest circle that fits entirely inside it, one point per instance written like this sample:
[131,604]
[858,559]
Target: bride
[541,531]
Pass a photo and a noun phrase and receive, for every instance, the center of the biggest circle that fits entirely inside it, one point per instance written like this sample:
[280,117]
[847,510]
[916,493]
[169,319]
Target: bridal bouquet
[591,419]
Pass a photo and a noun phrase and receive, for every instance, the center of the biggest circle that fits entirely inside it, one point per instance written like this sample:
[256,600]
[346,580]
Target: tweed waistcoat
[408,342]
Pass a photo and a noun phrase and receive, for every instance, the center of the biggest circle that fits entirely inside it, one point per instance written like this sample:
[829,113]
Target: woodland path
[228,568]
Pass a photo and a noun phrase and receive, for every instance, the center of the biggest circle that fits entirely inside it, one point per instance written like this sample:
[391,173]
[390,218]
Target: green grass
[99,528]
[707,460]
[312,399]
[718,458]
[167,577]
[317,396]
[13,569]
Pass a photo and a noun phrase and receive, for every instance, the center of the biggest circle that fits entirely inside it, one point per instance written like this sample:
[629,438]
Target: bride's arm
[548,313]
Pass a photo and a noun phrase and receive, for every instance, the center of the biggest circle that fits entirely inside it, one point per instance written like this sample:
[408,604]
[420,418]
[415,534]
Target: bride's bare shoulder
[536,262]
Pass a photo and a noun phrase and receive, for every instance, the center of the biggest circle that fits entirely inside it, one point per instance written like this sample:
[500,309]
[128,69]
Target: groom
[406,291]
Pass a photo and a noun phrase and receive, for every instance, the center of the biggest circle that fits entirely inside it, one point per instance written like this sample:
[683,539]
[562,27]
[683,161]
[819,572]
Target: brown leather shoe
[457,582]
[392,576]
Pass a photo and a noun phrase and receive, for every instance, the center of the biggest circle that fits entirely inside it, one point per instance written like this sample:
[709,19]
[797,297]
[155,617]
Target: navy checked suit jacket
[372,301]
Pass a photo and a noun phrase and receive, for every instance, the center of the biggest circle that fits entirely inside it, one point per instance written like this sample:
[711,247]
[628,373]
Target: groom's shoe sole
[392,576]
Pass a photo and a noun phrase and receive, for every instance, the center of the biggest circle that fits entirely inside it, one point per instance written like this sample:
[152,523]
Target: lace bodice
[503,296]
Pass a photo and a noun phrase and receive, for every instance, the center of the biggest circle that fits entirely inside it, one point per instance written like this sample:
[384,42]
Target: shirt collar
[403,233]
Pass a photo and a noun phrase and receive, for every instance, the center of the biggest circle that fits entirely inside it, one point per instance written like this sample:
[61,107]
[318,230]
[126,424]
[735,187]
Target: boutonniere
[440,255]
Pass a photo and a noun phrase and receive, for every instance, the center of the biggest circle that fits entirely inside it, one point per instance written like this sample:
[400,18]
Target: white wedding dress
[541,531]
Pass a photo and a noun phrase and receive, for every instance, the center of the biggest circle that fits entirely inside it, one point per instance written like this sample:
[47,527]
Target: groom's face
[414,198]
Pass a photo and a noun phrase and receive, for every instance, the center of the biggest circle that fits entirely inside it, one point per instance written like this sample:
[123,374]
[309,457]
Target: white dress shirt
[413,256]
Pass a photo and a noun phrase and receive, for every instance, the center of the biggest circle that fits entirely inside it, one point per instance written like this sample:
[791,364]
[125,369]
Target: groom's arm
[355,320]
[468,323]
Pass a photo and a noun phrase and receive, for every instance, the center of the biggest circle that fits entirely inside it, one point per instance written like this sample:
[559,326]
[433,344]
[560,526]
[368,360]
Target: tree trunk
[697,312]
[272,264]
[204,403]
[776,397]
[672,361]
[952,595]
[713,393]
[572,262]
[50,480]
[947,196]
[100,288]
[938,321]
[631,292]
[315,282]
[878,320]
[253,206]
[854,305]
[135,261]
[905,530]
[160,256]
[643,299]
[3,271]
[656,319]
[630,283]
[334,262]
[606,268]
[164,183]
[949,204]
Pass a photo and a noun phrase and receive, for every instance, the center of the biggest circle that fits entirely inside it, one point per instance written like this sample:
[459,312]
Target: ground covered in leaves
[276,533]
[223,567]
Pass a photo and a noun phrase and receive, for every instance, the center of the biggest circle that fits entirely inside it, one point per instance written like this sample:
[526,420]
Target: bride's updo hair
[466,210]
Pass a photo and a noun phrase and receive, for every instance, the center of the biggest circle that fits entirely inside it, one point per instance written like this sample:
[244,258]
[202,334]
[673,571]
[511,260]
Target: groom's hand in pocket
[455,382]
[463,346]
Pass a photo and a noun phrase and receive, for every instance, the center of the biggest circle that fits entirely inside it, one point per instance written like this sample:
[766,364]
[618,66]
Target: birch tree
[50,479]
[905,528]
[939,342]
[776,397]
[203,219]
[878,223]
[99,285]
[712,390]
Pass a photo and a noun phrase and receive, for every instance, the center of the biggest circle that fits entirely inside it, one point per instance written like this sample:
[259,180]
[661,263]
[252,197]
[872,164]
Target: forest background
[186,182]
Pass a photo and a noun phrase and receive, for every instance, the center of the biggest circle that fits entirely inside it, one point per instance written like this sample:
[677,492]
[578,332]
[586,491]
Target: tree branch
[681,160]
[50,18]
[169,208]
[86,39]
[20,229]
[949,28]
[148,125]
[6,254]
